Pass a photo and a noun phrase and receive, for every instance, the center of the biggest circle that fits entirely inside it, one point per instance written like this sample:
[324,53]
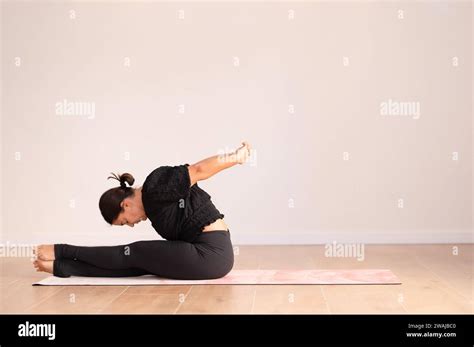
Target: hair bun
[125,177]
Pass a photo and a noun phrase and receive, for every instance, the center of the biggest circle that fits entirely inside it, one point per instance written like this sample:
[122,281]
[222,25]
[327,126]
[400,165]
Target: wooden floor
[434,281]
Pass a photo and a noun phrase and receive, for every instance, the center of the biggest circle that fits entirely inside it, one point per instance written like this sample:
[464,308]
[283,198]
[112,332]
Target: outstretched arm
[210,166]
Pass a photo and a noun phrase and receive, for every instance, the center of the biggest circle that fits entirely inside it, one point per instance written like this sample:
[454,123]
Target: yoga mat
[369,276]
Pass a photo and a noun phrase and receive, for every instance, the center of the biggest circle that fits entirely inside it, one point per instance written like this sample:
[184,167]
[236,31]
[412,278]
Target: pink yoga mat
[368,276]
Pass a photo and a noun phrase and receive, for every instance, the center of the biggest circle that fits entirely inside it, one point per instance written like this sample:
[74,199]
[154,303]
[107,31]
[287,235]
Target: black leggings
[210,256]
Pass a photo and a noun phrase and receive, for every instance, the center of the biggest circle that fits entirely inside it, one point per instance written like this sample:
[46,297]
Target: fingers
[246,144]
[243,152]
[248,148]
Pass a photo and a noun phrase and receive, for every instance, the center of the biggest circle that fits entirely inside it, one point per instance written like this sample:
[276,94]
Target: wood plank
[289,299]
[219,299]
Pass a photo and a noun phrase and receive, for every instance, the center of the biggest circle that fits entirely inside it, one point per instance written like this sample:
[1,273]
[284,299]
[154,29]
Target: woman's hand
[243,152]
[208,167]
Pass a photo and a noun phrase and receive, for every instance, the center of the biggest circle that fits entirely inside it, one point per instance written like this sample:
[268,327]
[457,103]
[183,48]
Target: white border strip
[261,238]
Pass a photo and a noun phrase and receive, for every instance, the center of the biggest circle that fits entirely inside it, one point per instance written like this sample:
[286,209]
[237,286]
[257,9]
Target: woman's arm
[210,166]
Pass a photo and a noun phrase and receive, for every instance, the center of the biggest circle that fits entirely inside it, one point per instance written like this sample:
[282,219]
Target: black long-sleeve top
[176,210]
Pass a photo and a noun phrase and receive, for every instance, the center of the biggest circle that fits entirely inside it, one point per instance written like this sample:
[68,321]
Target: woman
[197,245]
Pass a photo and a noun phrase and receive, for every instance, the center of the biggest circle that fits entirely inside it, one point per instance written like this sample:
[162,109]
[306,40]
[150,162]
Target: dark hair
[109,202]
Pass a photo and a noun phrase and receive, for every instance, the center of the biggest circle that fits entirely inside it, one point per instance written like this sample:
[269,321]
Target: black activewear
[176,210]
[178,213]
[210,256]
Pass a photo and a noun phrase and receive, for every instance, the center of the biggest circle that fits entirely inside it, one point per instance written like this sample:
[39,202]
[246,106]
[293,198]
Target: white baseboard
[258,238]
[322,238]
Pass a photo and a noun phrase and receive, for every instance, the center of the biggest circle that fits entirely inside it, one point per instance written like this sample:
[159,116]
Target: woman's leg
[69,267]
[210,256]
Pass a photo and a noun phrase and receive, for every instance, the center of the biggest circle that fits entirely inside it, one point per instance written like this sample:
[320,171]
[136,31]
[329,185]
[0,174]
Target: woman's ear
[124,203]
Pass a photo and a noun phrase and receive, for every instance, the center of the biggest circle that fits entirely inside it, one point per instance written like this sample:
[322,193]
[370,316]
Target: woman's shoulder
[170,181]
[167,172]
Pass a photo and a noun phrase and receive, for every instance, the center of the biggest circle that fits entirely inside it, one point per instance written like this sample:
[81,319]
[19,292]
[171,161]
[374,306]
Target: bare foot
[44,265]
[44,252]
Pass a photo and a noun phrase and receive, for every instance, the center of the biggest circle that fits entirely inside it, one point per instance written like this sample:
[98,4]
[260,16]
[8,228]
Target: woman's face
[132,213]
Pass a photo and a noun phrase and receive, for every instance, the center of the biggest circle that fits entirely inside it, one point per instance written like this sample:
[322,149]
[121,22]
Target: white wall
[282,62]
